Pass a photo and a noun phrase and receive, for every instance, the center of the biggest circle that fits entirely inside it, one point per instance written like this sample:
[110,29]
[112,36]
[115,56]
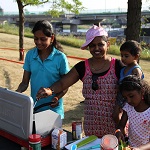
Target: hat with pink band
[92,33]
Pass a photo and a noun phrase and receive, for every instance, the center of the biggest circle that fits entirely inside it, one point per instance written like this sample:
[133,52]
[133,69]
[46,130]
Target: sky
[11,5]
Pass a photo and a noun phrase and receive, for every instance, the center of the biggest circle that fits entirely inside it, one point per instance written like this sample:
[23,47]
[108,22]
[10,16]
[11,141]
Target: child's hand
[120,137]
[124,146]
[134,148]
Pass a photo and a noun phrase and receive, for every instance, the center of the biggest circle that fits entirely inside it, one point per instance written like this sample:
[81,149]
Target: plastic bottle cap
[74,147]
[35,138]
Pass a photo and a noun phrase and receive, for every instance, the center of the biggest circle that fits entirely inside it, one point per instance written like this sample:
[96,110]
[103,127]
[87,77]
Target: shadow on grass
[75,114]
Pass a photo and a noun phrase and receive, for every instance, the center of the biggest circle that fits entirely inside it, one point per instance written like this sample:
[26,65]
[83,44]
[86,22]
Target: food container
[59,138]
[77,130]
[109,142]
[35,142]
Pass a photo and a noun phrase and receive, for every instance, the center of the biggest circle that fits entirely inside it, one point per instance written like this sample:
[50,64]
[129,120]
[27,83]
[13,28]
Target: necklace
[95,69]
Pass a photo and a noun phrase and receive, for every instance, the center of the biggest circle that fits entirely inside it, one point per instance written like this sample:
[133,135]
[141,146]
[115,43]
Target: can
[35,142]
[77,130]
[109,142]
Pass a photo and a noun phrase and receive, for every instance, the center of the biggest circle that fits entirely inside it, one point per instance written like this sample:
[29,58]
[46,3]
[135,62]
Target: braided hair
[133,82]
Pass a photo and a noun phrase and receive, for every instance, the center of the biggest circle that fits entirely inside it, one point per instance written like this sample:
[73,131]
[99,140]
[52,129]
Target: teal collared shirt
[45,73]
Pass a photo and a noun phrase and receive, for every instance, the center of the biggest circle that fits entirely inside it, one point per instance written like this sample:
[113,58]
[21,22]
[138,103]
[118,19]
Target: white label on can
[78,131]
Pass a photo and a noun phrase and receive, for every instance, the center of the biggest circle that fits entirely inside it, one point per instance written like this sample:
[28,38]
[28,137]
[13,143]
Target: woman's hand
[43,93]
[55,102]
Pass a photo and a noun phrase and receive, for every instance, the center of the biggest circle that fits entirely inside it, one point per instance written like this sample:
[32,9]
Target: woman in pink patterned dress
[99,75]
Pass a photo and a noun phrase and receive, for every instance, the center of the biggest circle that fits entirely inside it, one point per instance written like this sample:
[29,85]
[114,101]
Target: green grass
[70,41]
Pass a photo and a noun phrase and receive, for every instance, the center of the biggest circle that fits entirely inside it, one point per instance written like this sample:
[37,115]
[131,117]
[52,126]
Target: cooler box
[16,118]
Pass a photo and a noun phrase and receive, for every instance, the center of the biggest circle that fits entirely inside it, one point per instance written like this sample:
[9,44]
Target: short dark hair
[132,47]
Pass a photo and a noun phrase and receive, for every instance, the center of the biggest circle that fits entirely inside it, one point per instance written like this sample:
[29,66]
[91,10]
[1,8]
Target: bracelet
[56,98]
[52,90]
[118,130]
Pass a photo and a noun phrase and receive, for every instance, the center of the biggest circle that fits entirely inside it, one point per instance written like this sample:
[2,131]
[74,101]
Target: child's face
[98,47]
[127,58]
[133,97]
[41,40]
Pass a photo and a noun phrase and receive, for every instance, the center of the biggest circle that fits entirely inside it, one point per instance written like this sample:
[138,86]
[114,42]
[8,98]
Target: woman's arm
[25,82]
[65,82]
[59,95]
[55,100]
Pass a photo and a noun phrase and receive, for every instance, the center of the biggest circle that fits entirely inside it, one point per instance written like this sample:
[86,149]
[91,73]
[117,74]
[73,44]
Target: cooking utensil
[34,124]
[87,141]
[42,105]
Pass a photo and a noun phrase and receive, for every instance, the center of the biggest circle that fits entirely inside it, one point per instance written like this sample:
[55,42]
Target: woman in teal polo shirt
[44,65]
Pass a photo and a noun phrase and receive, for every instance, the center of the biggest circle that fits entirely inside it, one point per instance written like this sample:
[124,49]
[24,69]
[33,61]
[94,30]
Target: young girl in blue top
[130,54]
[44,65]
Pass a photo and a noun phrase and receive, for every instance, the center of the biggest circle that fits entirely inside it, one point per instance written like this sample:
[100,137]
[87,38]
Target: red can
[77,130]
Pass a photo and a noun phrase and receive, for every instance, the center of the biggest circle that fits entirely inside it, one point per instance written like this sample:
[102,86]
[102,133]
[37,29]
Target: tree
[55,11]
[57,8]
[134,20]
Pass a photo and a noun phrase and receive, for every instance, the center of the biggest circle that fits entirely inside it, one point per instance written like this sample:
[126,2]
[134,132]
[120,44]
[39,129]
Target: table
[6,144]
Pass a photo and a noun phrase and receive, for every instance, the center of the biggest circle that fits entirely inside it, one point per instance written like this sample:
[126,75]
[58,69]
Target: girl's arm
[145,147]
[25,82]
[142,147]
[121,126]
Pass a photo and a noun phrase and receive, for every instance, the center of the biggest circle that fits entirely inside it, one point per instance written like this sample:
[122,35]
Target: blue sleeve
[64,66]
[26,65]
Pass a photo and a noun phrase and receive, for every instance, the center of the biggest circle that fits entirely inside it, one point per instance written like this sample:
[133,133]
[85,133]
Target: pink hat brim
[85,45]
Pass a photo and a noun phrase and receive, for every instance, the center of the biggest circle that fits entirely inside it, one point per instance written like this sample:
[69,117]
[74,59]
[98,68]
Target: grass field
[11,74]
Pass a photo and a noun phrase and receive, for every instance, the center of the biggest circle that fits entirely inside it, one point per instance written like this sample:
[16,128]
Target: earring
[52,39]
